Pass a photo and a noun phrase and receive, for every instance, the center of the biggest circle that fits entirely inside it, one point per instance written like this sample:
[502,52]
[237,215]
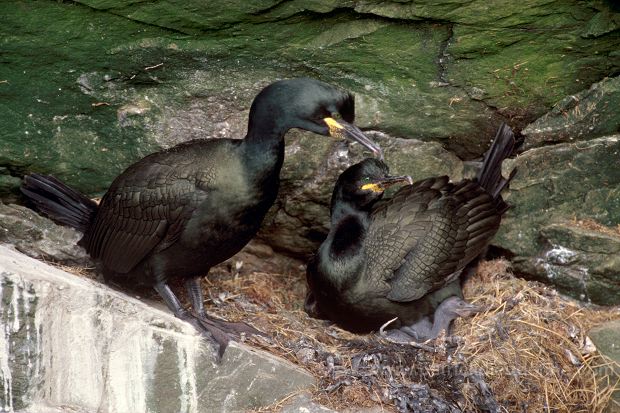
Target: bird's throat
[440,323]
[347,238]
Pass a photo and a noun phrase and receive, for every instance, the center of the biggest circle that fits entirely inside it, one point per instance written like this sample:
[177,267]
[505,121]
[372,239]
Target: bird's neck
[347,236]
[342,253]
[342,210]
[264,142]
[441,323]
[263,154]
[266,126]
[267,135]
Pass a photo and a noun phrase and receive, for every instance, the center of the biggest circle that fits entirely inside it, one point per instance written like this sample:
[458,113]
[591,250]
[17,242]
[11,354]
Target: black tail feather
[58,201]
[490,174]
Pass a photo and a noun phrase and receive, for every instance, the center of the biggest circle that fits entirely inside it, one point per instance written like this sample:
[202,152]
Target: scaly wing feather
[146,208]
[421,238]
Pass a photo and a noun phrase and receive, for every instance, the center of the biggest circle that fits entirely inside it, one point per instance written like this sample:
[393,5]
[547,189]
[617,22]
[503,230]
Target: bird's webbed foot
[217,330]
[235,330]
[220,331]
[214,334]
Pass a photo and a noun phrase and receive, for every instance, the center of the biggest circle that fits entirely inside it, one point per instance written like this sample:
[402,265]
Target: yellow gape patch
[335,129]
[372,187]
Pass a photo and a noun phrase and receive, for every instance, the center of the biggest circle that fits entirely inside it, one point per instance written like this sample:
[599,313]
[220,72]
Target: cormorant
[402,257]
[180,211]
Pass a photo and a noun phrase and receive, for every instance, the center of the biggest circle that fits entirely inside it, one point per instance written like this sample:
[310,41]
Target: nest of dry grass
[527,352]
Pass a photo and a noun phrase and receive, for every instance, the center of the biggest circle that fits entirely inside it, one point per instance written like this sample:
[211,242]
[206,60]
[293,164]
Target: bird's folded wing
[142,211]
[420,239]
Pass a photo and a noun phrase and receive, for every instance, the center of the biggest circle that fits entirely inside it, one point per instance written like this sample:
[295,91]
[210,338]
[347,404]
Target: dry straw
[528,352]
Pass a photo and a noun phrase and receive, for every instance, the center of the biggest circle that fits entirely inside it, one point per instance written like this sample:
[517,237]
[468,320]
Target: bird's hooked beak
[342,129]
[380,185]
[468,309]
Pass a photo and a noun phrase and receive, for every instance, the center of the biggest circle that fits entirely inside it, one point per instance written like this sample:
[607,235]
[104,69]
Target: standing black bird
[178,212]
[402,257]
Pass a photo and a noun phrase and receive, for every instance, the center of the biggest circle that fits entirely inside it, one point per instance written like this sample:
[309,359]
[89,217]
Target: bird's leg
[195,294]
[194,291]
[173,303]
[171,300]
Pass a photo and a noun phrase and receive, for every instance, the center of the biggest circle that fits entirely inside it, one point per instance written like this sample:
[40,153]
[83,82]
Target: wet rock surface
[71,342]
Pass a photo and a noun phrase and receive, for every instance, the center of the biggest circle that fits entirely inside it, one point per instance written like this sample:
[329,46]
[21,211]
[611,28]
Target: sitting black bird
[402,257]
[178,212]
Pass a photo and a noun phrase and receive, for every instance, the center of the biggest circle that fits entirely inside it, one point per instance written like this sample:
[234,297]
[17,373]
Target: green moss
[50,46]
[529,71]
[444,71]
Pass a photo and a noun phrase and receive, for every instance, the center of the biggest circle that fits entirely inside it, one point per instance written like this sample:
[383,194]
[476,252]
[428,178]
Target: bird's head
[311,105]
[365,182]
[453,307]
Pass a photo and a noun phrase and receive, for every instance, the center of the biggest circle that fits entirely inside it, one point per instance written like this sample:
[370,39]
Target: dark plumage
[402,257]
[178,212]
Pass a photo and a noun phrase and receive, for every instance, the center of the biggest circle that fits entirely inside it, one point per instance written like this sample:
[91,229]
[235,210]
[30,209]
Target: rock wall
[606,338]
[556,187]
[88,87]
[71,343]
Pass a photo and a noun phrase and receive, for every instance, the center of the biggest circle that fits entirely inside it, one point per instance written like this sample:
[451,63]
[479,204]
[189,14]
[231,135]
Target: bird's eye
[366,179]
[336,115]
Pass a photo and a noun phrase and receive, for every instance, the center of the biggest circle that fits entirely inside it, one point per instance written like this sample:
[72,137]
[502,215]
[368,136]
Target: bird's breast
[230,214]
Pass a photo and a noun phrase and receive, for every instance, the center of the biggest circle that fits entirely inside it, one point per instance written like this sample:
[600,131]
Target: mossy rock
[86,86]
[585,115]
[555,187]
